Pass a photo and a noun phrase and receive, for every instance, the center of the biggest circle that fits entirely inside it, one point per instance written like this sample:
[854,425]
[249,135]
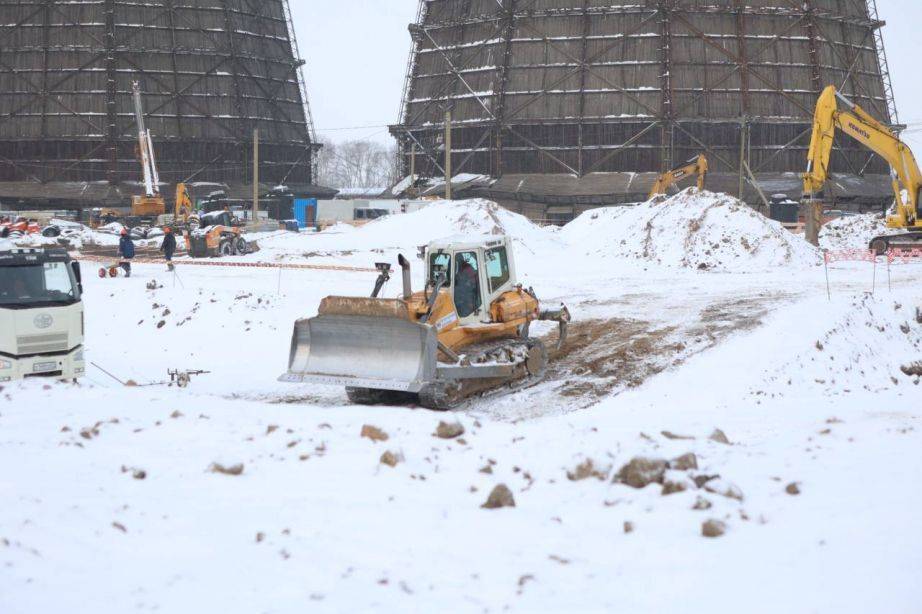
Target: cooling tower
[211,72]
[584,101]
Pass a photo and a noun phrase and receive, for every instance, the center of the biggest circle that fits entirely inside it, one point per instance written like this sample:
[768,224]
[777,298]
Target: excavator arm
[879,138]
[183,207]
[697,166]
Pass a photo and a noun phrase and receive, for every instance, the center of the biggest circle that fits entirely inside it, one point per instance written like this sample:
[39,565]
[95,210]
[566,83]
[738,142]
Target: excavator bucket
[363,343]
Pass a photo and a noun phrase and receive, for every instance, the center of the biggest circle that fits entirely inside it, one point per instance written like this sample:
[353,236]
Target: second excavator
[467,332]
[695,166]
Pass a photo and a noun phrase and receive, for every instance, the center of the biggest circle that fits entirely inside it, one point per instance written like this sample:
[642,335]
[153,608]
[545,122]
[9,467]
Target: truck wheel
[880,246]
[241,245]
[51,232]
[225,249]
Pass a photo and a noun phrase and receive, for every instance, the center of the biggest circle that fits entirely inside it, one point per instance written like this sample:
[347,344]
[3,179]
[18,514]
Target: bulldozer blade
[363,351]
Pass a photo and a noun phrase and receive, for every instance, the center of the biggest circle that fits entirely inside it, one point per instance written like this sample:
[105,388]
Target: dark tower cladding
[582,102]
[211,73]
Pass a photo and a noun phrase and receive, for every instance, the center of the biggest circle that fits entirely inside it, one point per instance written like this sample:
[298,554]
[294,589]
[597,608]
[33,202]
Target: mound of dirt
[854,231]
[696,230]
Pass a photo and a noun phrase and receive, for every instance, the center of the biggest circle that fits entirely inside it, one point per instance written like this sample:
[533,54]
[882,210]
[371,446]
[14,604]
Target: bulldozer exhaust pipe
[407,283]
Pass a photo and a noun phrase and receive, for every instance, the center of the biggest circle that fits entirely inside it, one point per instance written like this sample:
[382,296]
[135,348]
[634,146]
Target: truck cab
[41,315]
[477,270]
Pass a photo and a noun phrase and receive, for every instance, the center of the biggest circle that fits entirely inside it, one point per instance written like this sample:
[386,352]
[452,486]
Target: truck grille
[29,345]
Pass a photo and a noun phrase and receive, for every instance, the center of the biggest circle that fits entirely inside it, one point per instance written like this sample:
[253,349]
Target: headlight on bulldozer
[5,365]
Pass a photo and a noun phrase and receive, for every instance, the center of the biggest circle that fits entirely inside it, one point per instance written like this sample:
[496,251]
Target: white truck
[41,314]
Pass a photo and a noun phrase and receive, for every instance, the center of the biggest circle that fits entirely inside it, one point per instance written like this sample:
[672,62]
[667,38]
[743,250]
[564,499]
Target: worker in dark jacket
[168,247]
[126,251]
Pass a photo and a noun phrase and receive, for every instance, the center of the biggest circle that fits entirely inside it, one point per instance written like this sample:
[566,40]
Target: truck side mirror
[78,275]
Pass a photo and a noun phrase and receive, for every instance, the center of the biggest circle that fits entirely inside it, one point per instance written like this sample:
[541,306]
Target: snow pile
[445,219]
[865,345]
[440,220]
[696,230]
[854,232]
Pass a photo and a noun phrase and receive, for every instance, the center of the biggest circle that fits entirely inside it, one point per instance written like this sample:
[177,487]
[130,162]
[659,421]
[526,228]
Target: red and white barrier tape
[893,256]
[904,256]
[850,255]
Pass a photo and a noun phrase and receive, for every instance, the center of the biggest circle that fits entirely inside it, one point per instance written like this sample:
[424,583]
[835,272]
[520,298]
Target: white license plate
[44,367]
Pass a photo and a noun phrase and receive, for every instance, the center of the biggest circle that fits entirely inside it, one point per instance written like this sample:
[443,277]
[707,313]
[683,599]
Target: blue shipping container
[306,212]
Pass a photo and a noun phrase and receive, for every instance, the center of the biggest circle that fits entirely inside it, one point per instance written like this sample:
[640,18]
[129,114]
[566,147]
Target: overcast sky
[357,53]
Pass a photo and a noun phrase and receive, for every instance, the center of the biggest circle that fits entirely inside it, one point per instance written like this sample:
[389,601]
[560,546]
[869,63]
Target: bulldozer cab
[477,271]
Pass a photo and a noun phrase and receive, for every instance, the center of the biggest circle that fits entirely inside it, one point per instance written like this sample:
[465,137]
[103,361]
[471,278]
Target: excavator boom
[698,165]
[835,113]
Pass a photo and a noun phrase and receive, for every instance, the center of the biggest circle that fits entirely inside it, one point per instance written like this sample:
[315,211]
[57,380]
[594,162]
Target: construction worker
[168,247]
[467,288]
[126,251]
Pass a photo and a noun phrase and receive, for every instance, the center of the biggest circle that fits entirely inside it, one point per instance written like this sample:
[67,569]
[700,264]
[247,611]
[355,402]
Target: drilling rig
[151,204]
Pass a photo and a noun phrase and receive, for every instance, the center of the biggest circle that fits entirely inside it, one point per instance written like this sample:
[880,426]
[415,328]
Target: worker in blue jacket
[126,251]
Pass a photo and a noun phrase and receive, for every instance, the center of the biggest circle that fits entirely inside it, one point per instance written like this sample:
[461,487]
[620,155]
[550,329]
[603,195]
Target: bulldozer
[219,235]
[696,166]
[466,333]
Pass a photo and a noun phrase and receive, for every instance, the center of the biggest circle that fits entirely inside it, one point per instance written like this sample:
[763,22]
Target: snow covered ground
[111,503]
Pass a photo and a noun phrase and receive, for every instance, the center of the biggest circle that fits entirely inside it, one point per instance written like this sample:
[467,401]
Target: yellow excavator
[466,333]
[184,215]
[879,138]
[695,166]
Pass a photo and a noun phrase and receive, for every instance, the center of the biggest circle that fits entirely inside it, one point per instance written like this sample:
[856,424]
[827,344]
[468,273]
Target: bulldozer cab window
[497,268]
[467,284]
[440,263]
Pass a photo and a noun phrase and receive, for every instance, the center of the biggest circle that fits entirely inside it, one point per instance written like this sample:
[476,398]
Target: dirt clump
[642,472]
[913,369]
[673,436]
[724,488]
[671,487]
[686,462]
[588,469]
[500,497]
[713,528]
[391,459]
[449,430]
[792,489]
[374,433]
[720,437]
[226,470]
[702,504]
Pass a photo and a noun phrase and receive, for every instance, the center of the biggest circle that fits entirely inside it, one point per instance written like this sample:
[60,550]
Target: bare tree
[356,164]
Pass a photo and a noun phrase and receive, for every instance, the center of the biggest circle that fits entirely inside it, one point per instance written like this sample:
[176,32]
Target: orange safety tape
[248,265]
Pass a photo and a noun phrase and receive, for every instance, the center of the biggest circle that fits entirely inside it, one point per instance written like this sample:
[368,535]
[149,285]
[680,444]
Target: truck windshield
[37,285]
